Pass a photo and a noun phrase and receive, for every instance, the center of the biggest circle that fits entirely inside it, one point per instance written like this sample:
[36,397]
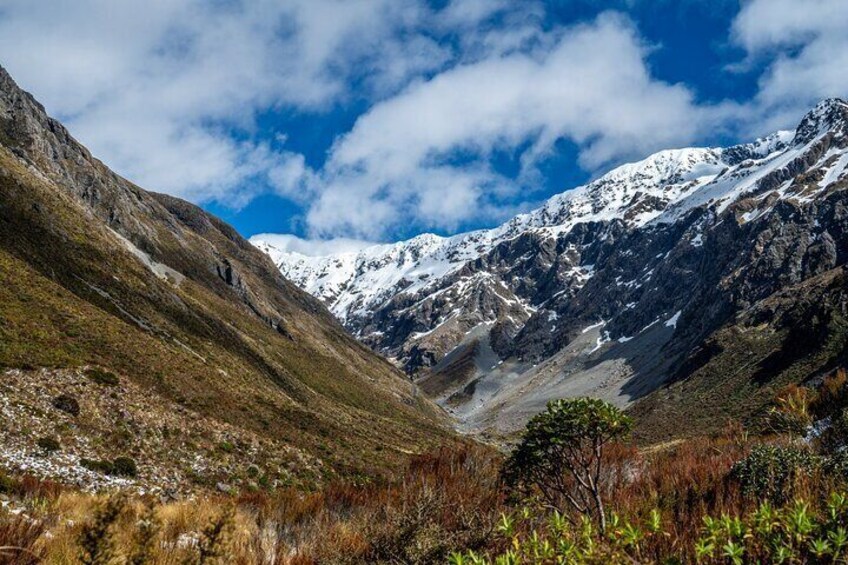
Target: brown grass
[447,500]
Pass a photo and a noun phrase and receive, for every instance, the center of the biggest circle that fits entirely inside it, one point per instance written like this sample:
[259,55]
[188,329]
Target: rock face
[95,271]
[625,288]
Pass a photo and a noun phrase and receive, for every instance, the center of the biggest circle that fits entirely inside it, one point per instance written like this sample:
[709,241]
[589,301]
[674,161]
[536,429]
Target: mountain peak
[827,115]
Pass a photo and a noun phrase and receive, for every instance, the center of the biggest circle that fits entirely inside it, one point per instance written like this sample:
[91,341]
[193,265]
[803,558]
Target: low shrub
[120,467]
[7,484]
[800,532]
[102,377]
[124,467]
[98,466]
[67,403]
[832,395]
[769,472]
[49,444]
[791,413]
[836,466]
[835,436]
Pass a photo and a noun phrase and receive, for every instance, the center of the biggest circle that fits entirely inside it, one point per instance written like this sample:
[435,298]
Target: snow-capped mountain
[356,282]
[489,320]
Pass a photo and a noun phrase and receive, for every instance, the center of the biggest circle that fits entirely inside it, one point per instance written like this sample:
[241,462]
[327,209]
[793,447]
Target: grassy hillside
[95,271]
[794,336]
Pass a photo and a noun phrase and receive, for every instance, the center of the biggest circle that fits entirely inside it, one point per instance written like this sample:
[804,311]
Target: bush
[102,377]
[67,403]
[835,436]
[836,466]
[801,532]
[124,467]
[120,467]
[49,444]
[6,483]
[769,472]
[832,395]
[98,466]
[561,455]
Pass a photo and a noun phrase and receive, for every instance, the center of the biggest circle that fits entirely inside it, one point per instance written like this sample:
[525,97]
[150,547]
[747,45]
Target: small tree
[561,454]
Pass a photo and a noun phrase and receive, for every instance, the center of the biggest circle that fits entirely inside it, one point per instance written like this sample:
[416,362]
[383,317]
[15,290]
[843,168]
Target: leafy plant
[67,403]
[561,454]
[121,466]
[102,377]
[49,444]
[770,471]
[124,467]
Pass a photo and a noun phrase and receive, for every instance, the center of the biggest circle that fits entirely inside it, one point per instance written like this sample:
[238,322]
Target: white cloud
[805,48]
[312,247]
[167,92]
[155,88]
[589,84]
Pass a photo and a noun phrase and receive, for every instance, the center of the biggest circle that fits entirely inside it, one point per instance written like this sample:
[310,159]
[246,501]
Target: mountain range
[686,287]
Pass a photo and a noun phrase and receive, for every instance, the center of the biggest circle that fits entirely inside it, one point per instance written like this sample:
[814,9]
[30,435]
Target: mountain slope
[619,288]
[98,272]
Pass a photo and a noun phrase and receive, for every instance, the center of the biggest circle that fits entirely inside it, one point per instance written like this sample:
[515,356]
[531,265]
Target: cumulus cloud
[804,46]
[589,84]
[312,247]
[168,92]
[157,88]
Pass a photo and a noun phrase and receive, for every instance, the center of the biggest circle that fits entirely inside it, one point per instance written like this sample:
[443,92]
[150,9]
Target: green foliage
[67,403]
[97,465]
[836,466]
[835,437]
[124,467]
[49,444]
[770,471]
[794,533]
[121,466]
[102,377]
[7,484]
[561,454]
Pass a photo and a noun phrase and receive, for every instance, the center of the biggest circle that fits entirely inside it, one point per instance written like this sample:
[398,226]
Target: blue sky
[381,119]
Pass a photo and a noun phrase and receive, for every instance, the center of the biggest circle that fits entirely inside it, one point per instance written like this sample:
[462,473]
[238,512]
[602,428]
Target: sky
[350,121]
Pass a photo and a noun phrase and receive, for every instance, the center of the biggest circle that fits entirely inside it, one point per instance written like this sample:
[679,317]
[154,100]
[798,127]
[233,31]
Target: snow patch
[672,322]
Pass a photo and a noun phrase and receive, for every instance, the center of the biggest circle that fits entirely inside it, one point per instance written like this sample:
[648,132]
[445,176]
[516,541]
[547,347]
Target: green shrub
[124,467]
[835,436]
[102,377]
[67,403]
[49,444]
[120,467]
[770,471]
[836,465]
[800,532]
[7,485]
[561,455]
[98,466]
[791,413]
